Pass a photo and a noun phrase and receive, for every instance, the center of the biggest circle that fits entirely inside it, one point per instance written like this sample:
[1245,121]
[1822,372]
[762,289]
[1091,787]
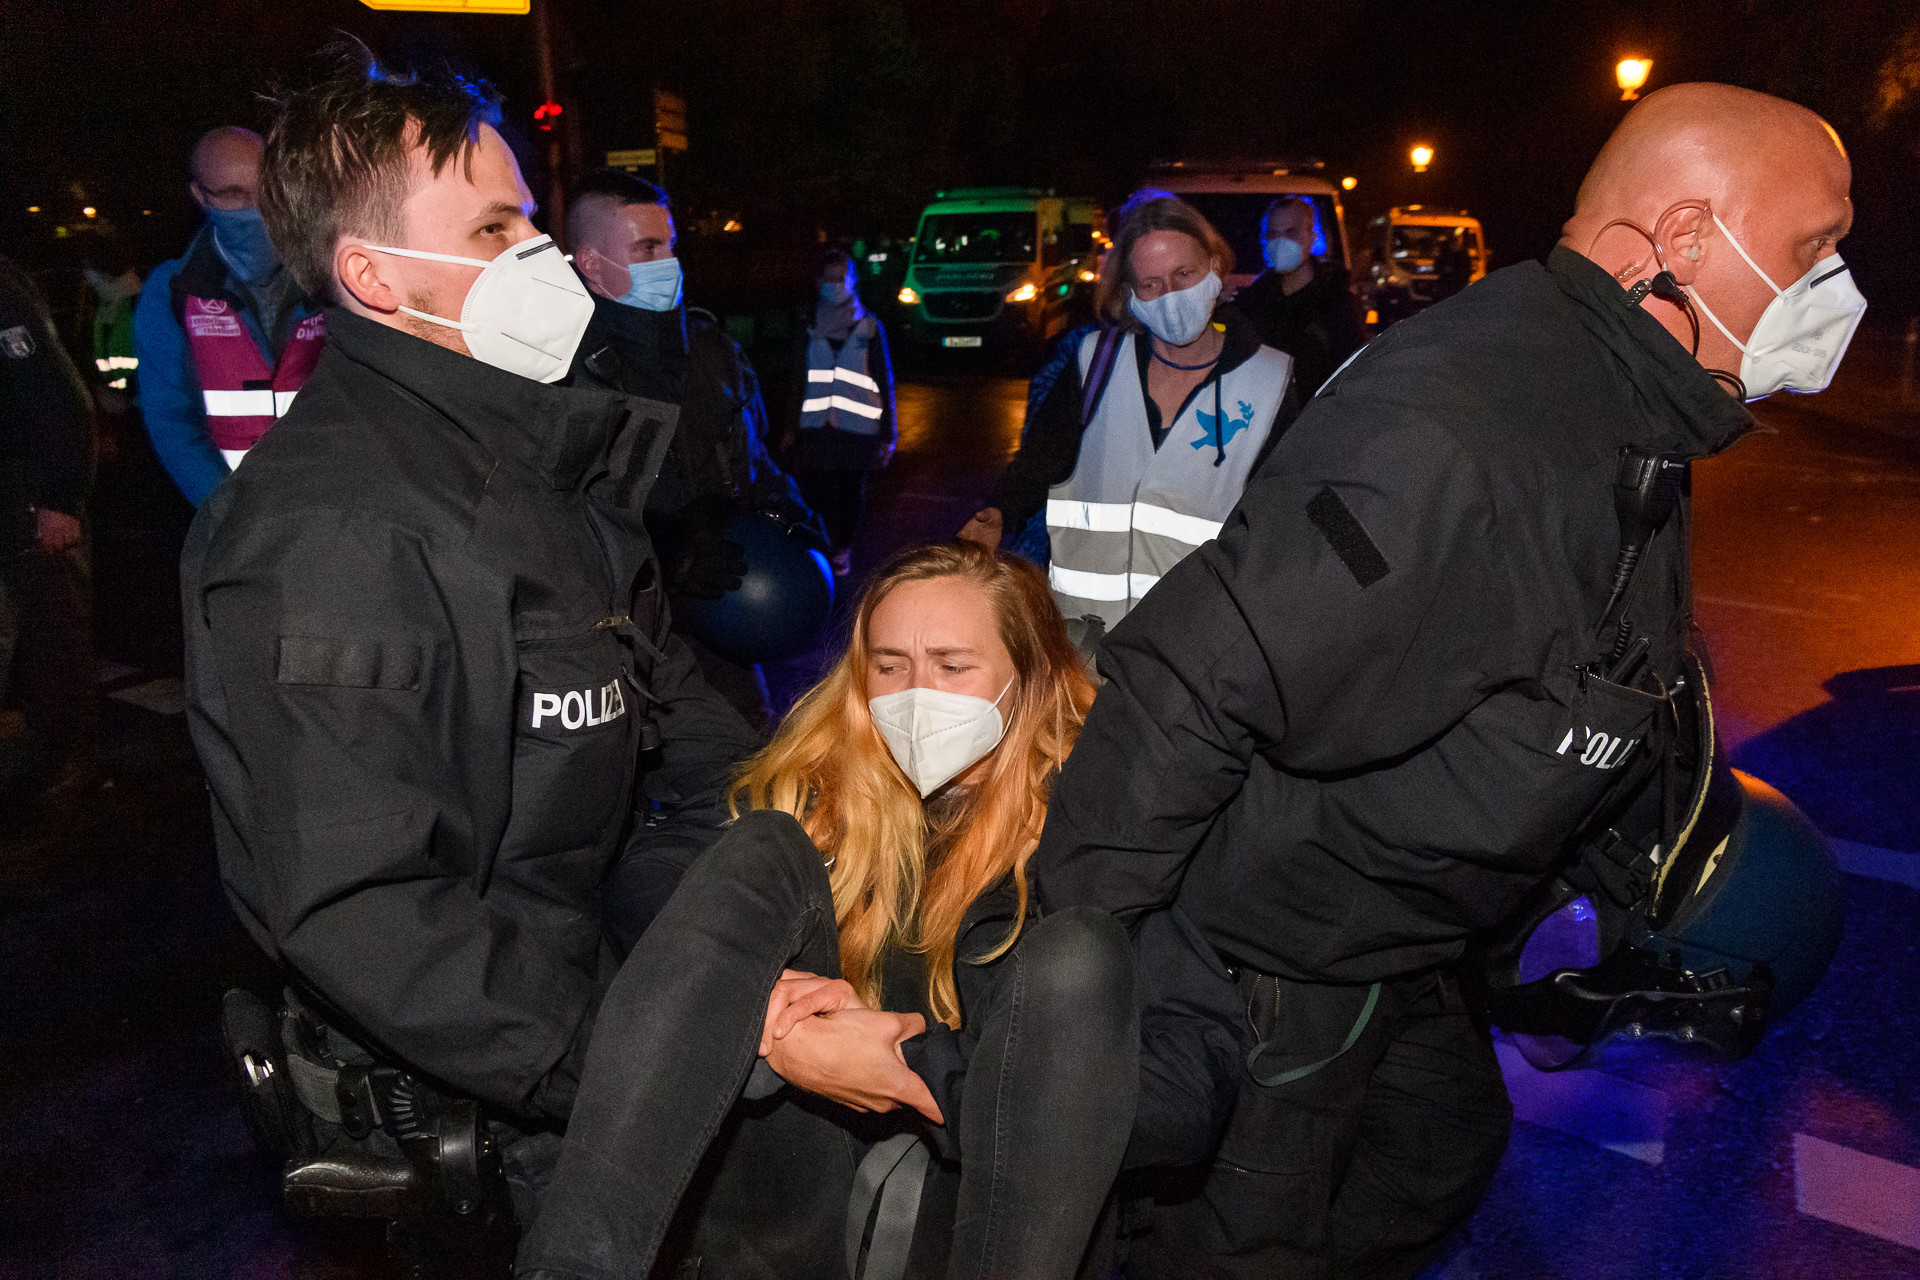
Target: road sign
[669,121]
[641,158]
[451,6]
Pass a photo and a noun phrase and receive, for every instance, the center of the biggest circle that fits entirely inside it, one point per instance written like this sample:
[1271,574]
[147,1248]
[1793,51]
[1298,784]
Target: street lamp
[1422,156]
[1348,184]
[1632,73]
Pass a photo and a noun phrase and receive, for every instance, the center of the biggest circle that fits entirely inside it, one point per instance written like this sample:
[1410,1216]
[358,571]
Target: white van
[1234,196]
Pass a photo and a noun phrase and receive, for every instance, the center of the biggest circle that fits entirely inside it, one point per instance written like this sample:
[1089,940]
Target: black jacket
[423,636]
[46,418]
[1319,325]
[719,447]
[1355,729]
[1050,442]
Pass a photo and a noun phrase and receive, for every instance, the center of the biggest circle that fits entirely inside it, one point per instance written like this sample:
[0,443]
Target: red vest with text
[244,395]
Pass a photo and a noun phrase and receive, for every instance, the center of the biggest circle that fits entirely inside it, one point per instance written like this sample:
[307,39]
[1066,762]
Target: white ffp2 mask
[526,313]
[1800,337]
[934,735]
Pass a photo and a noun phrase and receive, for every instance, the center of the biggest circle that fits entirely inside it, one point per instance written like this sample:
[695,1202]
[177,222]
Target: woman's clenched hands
[801,995]
[852,1056]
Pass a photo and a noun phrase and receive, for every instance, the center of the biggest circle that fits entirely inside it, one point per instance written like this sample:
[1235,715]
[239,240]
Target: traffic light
[545,114]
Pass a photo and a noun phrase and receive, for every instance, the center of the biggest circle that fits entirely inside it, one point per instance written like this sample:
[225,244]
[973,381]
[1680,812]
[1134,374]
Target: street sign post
[669,121]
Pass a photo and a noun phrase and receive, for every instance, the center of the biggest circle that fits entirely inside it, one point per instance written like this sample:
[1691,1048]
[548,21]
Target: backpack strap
[893,1173]
[1100,372]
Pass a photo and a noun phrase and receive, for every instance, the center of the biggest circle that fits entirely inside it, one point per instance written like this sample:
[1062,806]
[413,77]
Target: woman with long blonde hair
[864,934]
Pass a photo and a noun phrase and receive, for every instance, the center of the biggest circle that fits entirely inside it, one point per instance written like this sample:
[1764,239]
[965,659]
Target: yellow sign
[451,6]
[637,159]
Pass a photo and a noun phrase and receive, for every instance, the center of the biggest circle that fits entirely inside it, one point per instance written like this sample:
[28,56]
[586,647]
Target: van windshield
[1424,244]
[978,237]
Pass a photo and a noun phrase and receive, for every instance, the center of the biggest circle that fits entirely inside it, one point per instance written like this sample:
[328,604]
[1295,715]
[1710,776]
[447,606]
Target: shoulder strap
[893,1172]
[1100,372]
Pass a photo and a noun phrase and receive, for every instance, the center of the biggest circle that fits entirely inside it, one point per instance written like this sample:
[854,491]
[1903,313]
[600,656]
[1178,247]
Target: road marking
[1854,1189]
[1880,864]
[168,696]
[1754,604]
[1592,1105]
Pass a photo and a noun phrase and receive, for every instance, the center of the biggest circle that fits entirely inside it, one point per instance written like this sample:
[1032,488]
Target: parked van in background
[1417,256]
[999,268]
[1234,195]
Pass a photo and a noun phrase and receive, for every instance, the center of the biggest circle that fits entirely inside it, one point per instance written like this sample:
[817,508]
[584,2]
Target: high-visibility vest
[243,395]
[1130,512]
[113,344]
[840,391]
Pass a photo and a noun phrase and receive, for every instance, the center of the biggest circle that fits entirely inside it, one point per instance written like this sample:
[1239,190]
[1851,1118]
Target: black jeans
[1361,1169]
[1045,1114]
[840,498]
[53,677]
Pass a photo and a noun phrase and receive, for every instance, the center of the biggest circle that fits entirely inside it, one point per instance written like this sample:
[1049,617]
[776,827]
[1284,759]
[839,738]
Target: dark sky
[849,114]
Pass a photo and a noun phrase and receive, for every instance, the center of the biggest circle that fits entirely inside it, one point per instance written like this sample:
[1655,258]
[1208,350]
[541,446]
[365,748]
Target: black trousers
[53,678]
[841,499]
[1361,1169]
[1043,1124]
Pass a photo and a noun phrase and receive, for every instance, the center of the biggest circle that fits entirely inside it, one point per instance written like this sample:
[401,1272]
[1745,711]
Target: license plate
[965,340]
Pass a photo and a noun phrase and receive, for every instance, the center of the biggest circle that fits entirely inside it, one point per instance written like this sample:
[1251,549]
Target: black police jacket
[1358,727]
[422,640]
[719,447]
[46,418]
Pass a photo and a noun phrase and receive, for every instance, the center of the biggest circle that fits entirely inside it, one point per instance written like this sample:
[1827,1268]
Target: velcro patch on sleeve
[1348,538]
[349,664]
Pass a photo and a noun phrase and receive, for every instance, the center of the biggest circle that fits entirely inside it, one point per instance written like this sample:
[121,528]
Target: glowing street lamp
[1422,156]
[1348,184]
[1632,73]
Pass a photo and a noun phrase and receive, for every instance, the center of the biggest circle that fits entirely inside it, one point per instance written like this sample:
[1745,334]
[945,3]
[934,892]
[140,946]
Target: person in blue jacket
[209,386]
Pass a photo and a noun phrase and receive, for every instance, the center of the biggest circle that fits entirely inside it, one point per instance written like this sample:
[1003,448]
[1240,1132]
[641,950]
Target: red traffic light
[545,113]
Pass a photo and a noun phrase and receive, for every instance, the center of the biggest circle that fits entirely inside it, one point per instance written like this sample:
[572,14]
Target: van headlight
[1025,293]
[907,296]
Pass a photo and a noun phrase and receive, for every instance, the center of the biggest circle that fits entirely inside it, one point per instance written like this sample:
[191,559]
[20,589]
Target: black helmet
[1732,930]
[783,600]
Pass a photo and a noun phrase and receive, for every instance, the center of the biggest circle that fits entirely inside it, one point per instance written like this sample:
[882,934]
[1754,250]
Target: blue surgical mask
[654,286]
[1179,317]
[834,292]
[1283,253]
[240,237]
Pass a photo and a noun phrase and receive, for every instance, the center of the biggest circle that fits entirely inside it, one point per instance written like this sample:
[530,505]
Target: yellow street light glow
[1632,73]
[1088,277]
[1025,293]
[33,208]
[731,224]
[89,211]
[1422,156]
[908,297]
[1348,184]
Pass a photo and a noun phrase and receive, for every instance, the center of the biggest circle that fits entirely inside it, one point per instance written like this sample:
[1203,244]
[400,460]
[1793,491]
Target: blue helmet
[1711,944]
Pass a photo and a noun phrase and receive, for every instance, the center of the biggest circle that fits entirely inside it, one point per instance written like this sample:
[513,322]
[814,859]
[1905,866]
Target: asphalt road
[125,1157]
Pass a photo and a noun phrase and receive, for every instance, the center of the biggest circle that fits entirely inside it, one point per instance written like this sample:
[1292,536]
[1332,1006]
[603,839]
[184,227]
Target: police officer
[429,676]
[1416,672]
[643,340]
[223,334]
[46,470]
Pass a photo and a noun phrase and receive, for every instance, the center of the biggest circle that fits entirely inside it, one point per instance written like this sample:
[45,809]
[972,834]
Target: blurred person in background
[224,334]
[845,426]
[46,470]
[1302,304]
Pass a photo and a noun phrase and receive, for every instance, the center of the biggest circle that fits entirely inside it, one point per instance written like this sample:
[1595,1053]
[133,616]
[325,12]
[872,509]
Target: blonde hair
[1148,211]
[829,767]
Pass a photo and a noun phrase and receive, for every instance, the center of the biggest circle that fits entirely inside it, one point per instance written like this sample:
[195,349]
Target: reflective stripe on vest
[840,391]
[242,395]
[1129,512]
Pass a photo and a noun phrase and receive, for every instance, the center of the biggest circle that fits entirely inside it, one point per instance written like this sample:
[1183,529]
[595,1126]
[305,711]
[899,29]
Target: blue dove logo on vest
[1213,436]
